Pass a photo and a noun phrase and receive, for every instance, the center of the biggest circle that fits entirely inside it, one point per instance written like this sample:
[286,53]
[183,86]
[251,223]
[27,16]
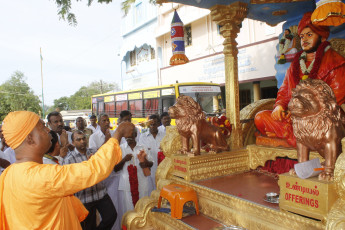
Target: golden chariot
[212,175]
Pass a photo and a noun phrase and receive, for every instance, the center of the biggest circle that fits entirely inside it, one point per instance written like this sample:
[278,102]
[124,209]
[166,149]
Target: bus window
[110,109]
[151,107]
[167,101]
[120,106]
[136,108]
[100,107]
[94,108]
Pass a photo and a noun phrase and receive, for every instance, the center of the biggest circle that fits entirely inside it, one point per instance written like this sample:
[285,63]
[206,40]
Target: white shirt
[162,129]
[144,181]
[49,161]
[97,139]
[152,144]
[10,155]
[93,128]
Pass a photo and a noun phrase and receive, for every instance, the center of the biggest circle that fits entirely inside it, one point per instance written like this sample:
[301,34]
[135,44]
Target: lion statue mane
[191,124]
[317,123]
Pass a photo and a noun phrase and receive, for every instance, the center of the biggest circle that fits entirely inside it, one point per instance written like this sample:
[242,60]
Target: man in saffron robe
[318,61]
[40,196]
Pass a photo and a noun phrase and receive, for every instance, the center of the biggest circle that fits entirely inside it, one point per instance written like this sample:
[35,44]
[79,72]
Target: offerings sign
[309,197]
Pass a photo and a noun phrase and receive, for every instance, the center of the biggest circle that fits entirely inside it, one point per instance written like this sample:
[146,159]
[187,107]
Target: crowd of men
[111,196]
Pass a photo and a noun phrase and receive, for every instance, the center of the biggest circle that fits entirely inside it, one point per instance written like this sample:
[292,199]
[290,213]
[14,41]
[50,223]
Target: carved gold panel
[209,165]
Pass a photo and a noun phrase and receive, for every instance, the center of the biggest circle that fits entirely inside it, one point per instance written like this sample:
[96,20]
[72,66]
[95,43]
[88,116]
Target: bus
[155,100]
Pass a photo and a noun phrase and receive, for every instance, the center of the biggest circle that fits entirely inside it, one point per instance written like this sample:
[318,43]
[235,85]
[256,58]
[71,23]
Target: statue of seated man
[317,60]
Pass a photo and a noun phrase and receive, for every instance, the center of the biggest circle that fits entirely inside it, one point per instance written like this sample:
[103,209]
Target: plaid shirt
[92,193]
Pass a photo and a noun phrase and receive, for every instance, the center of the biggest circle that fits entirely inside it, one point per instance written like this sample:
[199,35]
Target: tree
[16,95]
[62,103]
[126,5]
[65,6]
[82,98]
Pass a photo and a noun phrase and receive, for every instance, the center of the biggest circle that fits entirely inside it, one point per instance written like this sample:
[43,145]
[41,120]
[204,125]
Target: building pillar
[256,91]
[229,18]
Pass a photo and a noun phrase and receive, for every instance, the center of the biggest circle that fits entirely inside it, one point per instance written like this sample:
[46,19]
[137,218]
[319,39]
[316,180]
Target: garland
[160,157]
[316,63]
[133,182]
[222,122]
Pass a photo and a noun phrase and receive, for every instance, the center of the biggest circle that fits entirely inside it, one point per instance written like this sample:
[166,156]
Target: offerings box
[309,197]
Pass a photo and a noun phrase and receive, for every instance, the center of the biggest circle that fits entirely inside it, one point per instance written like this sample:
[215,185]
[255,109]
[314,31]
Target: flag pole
[42,83]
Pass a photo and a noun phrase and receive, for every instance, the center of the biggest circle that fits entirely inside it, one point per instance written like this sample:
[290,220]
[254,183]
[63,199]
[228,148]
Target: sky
[73,56]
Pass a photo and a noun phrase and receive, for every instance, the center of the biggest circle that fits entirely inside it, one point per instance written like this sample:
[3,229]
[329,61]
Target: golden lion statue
[191,124]
[317,123]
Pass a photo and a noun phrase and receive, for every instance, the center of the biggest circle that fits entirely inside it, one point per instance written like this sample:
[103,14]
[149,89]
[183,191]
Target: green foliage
[61,103]
[82,98]
[126,5]
[65,6]
[16,95]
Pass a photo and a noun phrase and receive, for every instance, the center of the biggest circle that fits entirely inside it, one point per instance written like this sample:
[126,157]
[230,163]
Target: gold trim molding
[258,155]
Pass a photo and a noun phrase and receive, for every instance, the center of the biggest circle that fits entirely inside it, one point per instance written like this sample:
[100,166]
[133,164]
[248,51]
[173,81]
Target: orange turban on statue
[17,125]
[323,31]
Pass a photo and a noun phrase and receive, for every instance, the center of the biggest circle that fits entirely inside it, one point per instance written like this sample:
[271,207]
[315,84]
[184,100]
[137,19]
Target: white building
[138,52]
[257,44]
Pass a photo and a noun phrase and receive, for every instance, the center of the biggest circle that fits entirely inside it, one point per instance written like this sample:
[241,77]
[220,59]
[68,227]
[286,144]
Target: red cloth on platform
[279,166]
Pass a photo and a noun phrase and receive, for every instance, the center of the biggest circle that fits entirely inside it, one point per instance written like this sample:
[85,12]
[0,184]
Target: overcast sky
[72,56]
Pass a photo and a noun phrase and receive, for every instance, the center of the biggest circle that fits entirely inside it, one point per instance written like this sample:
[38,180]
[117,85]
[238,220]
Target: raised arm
[69,179]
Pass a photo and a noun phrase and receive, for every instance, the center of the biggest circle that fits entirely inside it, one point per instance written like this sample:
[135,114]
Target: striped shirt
[92,193]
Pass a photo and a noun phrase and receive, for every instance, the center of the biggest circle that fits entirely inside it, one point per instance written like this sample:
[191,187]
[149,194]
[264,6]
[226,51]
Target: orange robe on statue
[41,196]
[331,71]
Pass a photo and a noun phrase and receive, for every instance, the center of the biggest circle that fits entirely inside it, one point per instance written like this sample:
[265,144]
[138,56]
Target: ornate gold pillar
[229,18]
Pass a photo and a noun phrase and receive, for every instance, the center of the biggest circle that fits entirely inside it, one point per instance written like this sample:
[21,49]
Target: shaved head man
[44,193]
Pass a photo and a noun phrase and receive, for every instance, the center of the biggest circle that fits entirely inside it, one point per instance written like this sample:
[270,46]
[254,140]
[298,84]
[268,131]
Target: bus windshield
[208,96]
